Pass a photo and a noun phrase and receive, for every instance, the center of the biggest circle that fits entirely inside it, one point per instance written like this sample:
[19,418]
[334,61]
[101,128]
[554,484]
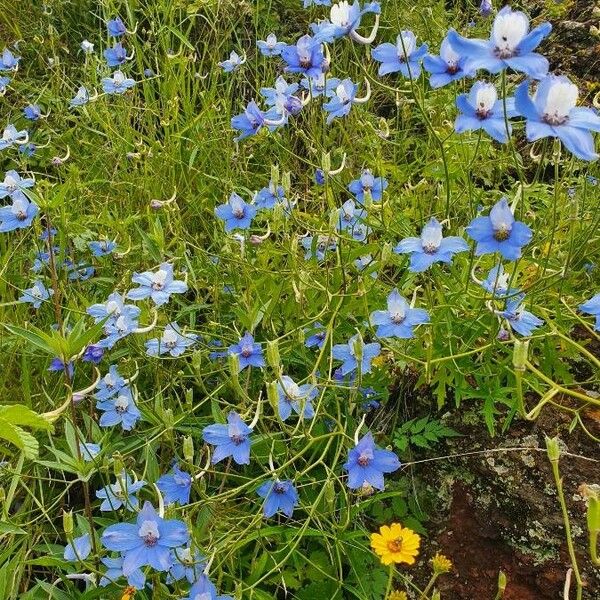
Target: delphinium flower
[147,542]
[117,329]
[486,8]
[93,354]
[101,247]
[14,183]
[116,55]
[349,215]
[321,244]
[344,19]
[4,82]
[32,112]
[499,232]
[317,336]
[270,46]
[496,283]
[79,272]
[447,67]
[186,563]
[403,56]
[175,486]
[78,549]
[114,308]
[89,451]
[217,354]
[19,214]
[294,397]
[157,285]
[235,213]
[58,365]
[109,385]
[117,84]
[519,319]
[87,47]
[282,101]
[204,589]
[114,572]
[553,113]
[305,56]
[367,463]
[399,320]
[121,493]
[511,46]
[116,27]
[430,247]
[233,63]
[482,109]
[119,410]
[81,98]
[368,184]
[308,3]
[173,342]
[27,150]
[8,61]
[250,353]
[396,544]
[592,307]
[250,122]
[280,496]
[11,136]
[319,177]
[232,440]
[353,351]
[36,294]
[268,197]
[364,262]
[345,96]
[320,86]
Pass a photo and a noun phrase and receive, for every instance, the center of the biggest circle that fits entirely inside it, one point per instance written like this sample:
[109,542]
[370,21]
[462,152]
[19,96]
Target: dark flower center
[452,69]
[504,53]
[21,215]
[278,488]
[157,286]
[246,351]
[150,540]
[238,213]
[238,439]
[305,62]
[430,248]
[397,318]
[363,460]
[482,112]
[555,119]
[502,233]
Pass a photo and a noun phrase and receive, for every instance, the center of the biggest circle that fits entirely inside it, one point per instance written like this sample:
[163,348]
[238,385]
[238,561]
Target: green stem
[388,589]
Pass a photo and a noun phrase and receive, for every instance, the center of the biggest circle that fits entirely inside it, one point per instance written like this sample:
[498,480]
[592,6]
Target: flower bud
[501,582]
[273,396]
[592,496]
[520,352]
[286,182]
[68,522]
[326,162]
[189,396]
[553,449]
[273,357]
[233,361]
[118,466]
[386,253]
[188,448]
[274,174]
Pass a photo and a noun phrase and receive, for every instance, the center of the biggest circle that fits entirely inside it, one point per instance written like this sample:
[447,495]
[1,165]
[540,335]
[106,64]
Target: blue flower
[78,549]
[496,283]
[81,98]
[116,55]
[553,113]
[270,196]
[233,63]
[117,84]
[353,351]
[113,309]
[305,56]
[203,589]
[250,122]
[14,183]
[511,46]
[319,176]
[217,354]
[147,542]
[367,463]
[8,61]
[101,247]
[486,8]
[481,109]
[499,232]
[110,385]
[270,46]
[308,3]
[120,409]
[36,294]
[341,103]
[116,27]
[116,330]
[57,365]
[121,493]
[236,213]
[365,262]
[282,99]
[447,67]
[344,19]
[399,320]
[80,272]
[250,354]
[295,397]
[27,150]
[114,571]
[519,319]
[232,440]
[172,342]
[4,81]
[32,112]
[431,247]
[349,216]
[317,246]
[186,564]
[280,496]
[367,184]
[404,56]
[89,451]
[592,307]
[175,486]
[10,137]
[87,47]
[317,337]
[158,285]
[320,86]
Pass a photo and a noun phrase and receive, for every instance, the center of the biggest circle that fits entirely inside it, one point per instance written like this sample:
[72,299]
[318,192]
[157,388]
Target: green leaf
[18,414]
[19,437]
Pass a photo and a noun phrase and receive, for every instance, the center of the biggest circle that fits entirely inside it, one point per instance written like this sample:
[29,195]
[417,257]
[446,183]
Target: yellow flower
[397,595]
[441,564]
[396,544]
[128,593]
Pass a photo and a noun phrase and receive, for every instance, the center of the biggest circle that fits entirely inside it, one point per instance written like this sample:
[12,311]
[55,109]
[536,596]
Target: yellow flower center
[395,545]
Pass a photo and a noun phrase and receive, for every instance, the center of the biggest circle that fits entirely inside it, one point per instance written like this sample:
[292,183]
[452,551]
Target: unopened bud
[273,396]
[189,396]
[326,162]
[286,182]
[273,357]
[275,174]
[501,582]
[553,449]
[188,448]
[234,364]
[520,353]
[68,522]
[592,496]
[386,253]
